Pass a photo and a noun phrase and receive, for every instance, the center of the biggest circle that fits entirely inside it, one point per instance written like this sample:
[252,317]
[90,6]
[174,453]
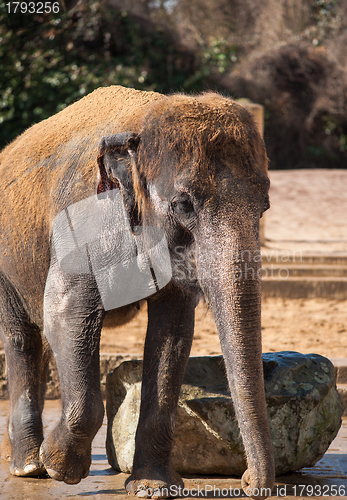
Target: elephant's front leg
[167,347]
[73,320]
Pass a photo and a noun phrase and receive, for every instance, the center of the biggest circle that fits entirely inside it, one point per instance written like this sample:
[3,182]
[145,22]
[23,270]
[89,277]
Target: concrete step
[305,288]
[294,275]
[287,257]
[294,271]
[342,390]
[340,365]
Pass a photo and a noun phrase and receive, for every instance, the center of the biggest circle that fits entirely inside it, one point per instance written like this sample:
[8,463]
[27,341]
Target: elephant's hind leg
[26,373]
[73,319]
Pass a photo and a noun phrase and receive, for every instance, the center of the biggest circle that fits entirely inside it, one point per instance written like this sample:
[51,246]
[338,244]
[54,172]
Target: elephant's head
[198,170]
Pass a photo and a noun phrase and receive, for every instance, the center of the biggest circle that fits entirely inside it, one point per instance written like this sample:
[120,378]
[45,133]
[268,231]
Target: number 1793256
[33,7]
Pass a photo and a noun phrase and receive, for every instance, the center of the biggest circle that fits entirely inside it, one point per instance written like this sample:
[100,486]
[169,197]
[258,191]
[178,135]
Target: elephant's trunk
[229,271]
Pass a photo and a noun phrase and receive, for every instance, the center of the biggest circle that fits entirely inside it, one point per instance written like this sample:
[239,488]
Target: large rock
[304,408]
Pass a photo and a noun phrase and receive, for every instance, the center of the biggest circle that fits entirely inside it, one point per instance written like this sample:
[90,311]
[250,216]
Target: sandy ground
[307,326]
[309,214]
[308,211]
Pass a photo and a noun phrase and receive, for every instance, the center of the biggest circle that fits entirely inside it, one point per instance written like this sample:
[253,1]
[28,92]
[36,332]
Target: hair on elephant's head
[185,153]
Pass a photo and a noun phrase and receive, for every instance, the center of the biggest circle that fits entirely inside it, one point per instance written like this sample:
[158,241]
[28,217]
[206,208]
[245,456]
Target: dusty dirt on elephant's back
[112,103]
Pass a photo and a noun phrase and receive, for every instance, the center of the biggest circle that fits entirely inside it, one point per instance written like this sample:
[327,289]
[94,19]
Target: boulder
[303,404]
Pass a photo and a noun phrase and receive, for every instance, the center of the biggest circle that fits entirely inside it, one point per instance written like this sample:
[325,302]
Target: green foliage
[47,62]
[335,128]
[221,55]
[217,58]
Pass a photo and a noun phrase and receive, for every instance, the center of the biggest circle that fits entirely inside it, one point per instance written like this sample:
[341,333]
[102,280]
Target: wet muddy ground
[328,479]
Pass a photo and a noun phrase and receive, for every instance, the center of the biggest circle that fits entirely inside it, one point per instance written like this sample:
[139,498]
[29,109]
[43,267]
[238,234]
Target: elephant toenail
[72,480]
[55,475]
[28,469]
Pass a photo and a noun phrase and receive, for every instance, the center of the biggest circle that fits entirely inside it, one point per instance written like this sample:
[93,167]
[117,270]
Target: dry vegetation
[288,55]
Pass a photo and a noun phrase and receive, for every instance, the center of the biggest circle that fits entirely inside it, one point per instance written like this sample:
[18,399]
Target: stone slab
[303,405]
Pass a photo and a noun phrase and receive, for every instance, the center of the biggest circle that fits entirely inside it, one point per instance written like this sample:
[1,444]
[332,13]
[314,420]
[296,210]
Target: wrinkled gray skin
[215,224]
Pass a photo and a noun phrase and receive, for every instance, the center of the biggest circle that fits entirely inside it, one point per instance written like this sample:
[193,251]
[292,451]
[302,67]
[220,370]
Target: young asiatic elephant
[195,170]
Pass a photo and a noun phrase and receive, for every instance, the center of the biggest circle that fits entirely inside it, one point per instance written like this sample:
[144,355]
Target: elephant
[193,168]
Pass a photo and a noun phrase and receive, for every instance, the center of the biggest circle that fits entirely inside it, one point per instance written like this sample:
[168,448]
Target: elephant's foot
[65,457]
[30,468]
[258,488]
[149,483]
[24,464]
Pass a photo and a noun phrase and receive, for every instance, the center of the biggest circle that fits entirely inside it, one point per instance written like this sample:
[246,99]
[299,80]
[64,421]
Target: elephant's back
[106,108]
[105,104]
[52,165]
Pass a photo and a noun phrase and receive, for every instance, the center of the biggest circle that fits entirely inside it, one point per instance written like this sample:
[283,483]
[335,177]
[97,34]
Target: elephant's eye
[182,205]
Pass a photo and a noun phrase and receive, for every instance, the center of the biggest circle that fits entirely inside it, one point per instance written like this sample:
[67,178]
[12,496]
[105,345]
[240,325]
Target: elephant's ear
[118,169]
[114,161]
